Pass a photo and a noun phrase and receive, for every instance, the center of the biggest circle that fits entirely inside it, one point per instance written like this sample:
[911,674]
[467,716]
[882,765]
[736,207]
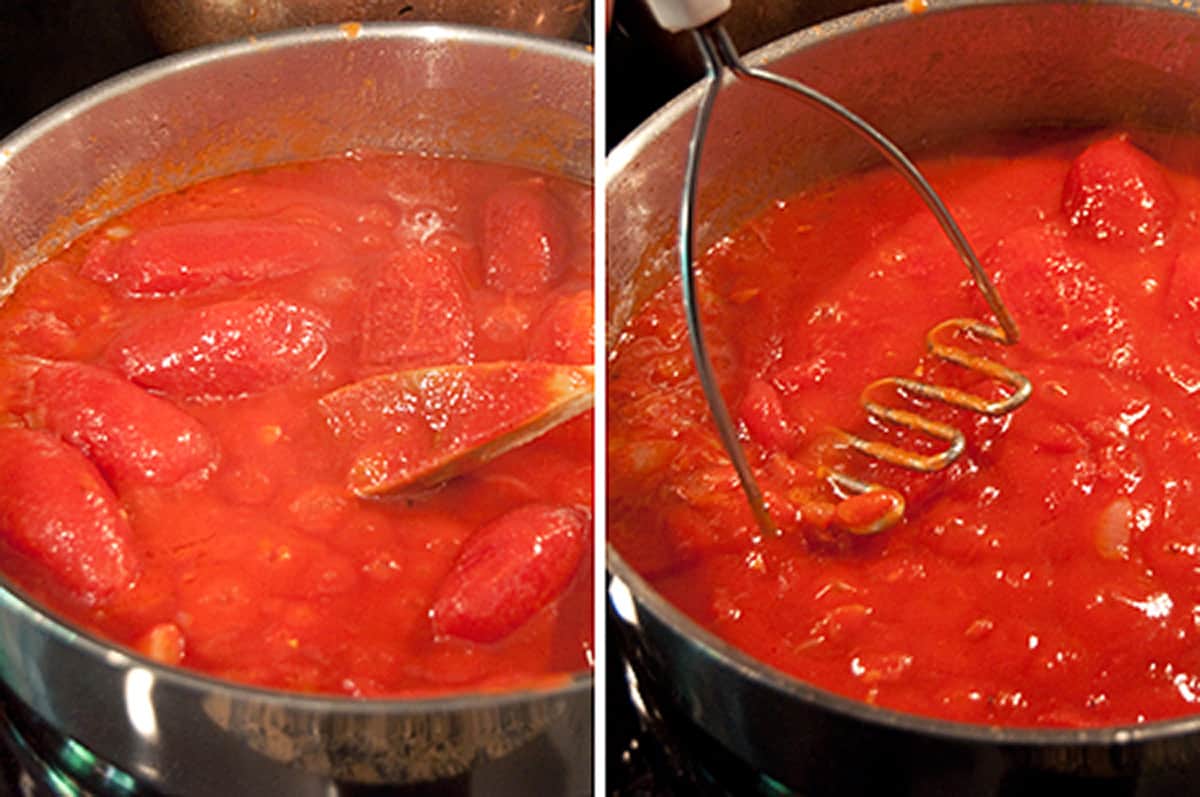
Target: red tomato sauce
[1047,578]
[171,479]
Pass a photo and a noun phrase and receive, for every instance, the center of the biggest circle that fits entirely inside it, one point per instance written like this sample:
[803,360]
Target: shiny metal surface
[180,24]
[924,79]
[430,88]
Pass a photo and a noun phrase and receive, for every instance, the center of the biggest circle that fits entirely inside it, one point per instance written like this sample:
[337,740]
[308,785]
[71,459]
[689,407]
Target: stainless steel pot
[425,88]
[926,79]
[180,24]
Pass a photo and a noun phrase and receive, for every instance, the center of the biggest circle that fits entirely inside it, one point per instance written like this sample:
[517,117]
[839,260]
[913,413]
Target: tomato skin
[1183,291]
[130,434]
[1115,192]
[409,427]
[566,331]
[56,509]
[1059,300]
[223,350]
[525,238]
[509,570]
[191,256]
[64,317]
[762,411]
[416,311]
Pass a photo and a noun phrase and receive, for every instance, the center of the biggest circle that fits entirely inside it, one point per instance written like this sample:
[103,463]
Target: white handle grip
[677,15]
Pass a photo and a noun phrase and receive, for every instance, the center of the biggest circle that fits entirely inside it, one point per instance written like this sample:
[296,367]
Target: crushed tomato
[1047,578]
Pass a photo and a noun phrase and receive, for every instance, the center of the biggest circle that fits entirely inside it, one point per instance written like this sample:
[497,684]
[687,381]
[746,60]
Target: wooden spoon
[413,429]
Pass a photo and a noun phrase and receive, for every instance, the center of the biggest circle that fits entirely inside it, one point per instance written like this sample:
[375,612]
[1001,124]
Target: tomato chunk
[56,509]
[422,426]
[509,570]
[565,334]
[222,350]
[58,315]
[762,411]
[525,238]
[1058,299]
[1115,192]
[416,311]
[190,256]
[130,434]
[164,643]
[1183,291]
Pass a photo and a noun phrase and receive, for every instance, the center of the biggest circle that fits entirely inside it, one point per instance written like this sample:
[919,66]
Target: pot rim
[115,656]
[873,18]
[628,592]
[138,76]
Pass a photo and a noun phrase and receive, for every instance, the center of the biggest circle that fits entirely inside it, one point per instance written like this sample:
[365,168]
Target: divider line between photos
[600,642]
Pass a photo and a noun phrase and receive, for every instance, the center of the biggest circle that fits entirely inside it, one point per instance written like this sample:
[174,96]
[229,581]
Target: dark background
[50,49]
[647,67]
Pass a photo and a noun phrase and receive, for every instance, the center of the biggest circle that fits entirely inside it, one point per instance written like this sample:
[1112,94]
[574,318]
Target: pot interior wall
[431,89]
[926,80]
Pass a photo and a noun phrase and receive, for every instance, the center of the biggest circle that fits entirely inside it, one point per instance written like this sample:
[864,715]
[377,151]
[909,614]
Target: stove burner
[655,751]
[36,761]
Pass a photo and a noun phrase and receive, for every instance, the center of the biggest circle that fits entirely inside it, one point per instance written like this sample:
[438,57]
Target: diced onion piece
[164,643]
[1114,529]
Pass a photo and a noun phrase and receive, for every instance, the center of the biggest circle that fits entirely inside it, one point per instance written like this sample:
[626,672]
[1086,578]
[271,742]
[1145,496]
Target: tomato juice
[1048,577]
[169,476]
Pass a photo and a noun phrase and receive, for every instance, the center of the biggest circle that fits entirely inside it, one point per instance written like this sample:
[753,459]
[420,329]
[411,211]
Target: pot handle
[677,15]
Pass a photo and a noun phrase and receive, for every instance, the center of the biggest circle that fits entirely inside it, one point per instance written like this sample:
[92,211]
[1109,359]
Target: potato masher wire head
[719,53]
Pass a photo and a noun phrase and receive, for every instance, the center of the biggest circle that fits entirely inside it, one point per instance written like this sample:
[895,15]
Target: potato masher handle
[719,53]
[680,15]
